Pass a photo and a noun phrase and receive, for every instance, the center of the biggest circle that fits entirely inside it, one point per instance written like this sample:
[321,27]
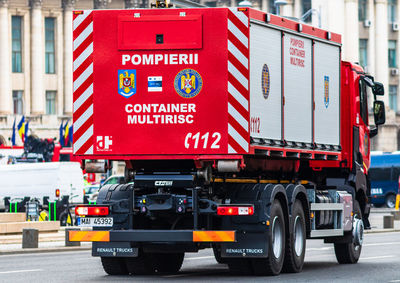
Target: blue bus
[384,175]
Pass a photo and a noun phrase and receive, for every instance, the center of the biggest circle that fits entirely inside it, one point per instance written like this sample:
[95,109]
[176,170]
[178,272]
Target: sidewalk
[49,242]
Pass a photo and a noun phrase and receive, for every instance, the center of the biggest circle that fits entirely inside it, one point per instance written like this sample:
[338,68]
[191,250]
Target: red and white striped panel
[238,82]
[83,82]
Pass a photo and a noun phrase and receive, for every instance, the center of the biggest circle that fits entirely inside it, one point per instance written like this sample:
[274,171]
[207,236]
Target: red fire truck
[241,131]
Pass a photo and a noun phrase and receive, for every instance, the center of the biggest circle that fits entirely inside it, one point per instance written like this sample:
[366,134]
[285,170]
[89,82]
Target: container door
[297,89]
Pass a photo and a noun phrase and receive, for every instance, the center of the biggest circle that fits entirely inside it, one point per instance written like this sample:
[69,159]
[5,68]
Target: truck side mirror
[378,89]
[379,112]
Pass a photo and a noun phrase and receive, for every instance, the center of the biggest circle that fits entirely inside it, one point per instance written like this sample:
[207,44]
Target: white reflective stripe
[81,141]
[241,16]
[86,53]
[78,41]
[238,34]
[231,150]
[90,150]
[80,18]
[84,96]
[238,138]
[238,75]
[238,96]
[83,77]
[84,117]
[238,55]
[237,116]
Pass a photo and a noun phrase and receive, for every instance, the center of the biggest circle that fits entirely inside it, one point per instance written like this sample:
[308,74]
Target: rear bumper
[159,236]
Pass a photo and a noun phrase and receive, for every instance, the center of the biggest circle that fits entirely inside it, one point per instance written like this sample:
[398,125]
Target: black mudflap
[251,231]
[248,245]
[114,249]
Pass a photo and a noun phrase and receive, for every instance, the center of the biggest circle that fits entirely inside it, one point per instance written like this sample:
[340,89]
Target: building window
[362,10]
[50,45]
[392,11]
[51,102]
[393,97]
[392,46]
[305,7]
[16,23]
[363,52]
[17,101]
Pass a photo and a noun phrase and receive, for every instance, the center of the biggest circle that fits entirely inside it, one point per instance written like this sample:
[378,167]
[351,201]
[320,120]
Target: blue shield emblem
[188,83]
[126,82]
[326,91]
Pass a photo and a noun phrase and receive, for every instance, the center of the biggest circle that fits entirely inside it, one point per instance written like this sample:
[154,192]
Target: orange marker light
[57,193]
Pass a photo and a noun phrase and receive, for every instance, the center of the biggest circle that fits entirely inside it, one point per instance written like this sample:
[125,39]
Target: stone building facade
[36,54]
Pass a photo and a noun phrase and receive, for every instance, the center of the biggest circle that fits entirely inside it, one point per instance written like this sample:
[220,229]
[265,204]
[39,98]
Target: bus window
[395,173]
[380,174]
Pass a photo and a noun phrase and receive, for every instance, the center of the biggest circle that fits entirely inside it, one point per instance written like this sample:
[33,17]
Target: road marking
[320,249]
[394,281]
[200,257]
[19,271]
[381,244]
[377,257]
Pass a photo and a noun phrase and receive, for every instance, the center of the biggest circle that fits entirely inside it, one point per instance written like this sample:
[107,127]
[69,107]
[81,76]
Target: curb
[45,250]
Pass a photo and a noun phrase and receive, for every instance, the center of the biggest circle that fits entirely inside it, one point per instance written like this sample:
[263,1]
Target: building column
[132,4]
[381,47]
[5,54]
[371,38]
[287,10]
[350,39]
[37,58]
[68,6]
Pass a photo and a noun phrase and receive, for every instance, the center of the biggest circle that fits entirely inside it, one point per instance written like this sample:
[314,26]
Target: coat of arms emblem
[126,82]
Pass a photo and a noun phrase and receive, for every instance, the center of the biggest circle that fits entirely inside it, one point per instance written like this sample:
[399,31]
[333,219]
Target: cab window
[363,101]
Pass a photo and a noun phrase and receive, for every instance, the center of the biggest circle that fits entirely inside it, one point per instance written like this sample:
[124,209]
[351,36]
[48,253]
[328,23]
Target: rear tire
[276,244]
[349,252]
[114,265]
[140,265]
[296,241]
[149,263]
[167,262]
[217,254]
[240,266]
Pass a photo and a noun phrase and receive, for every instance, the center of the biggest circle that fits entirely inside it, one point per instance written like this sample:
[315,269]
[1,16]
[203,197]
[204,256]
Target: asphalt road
[379,262]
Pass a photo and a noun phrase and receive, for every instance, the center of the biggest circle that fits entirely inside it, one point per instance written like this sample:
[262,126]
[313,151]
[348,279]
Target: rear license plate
[95,221]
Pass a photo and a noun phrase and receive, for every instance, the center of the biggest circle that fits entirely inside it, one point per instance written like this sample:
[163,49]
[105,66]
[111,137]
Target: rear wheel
[140,265]
[167,263]
[296,241]
[217,254]
[114,265]
[276,244]
[148,263]
[390,201]
[350,252]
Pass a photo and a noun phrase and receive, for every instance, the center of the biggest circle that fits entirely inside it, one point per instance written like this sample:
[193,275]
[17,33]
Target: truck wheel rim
[277,237]
[298,236]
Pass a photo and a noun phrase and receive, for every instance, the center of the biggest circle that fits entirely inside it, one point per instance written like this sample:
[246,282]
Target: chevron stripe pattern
[238,81]
[83,82]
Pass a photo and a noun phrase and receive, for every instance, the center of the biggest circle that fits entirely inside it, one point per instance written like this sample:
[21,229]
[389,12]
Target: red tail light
[91,210]
[235,210]
[57,193]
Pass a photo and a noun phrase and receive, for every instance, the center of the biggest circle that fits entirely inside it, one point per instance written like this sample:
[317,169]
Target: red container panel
[159,82]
